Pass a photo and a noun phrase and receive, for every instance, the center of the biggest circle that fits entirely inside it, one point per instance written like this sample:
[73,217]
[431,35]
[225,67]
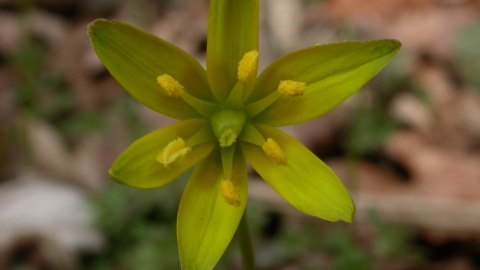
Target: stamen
[291,88]
[171,86]
[274,152]
[230,193]
[174,150]
[247,65]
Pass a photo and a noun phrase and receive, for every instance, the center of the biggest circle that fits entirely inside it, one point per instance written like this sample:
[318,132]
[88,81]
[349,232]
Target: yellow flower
[228,115]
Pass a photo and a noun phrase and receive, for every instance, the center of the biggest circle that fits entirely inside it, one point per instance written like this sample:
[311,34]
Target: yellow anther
[247,65]
[174,150]
[230,193]
[171,86]
[291,88]
[274,152]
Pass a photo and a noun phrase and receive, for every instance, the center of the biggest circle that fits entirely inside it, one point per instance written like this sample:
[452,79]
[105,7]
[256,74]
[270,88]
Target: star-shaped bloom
[229,115]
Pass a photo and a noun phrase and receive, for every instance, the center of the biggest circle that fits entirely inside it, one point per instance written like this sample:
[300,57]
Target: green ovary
[227,126]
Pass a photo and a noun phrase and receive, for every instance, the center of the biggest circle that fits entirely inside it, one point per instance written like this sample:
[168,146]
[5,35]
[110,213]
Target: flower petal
[232,32]
[136,58]
[305,182]
[138,167]
[331,72]
[206,223]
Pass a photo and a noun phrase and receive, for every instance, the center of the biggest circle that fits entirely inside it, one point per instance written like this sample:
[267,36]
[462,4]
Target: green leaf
[305,182]
[136,58]
[138,167]
[232,32]
[206,223]
[332,72]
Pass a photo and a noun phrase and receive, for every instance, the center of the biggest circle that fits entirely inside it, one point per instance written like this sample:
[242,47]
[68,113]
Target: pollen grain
[171,86]
[291,88]
[247,66]
[174,150]
[230,193]
[274,152]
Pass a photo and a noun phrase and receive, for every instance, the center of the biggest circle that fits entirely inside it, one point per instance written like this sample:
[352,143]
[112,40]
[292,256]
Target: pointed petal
[232,32]
[305,182]
[331,72]
[136,58]
[138,167]
[206,222]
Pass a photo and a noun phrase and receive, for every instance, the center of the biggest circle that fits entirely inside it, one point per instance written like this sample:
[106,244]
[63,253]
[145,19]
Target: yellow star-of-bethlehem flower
[228,115]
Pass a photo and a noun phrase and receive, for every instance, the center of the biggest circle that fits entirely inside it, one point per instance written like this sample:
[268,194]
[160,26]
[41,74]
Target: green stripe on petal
[136,58]
[232,32]
[252,135]
[138,167]
[206,223]
[227,154]
[332,73]
[305,182]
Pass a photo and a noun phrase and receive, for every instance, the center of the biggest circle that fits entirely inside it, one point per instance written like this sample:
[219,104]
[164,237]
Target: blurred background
[407,145]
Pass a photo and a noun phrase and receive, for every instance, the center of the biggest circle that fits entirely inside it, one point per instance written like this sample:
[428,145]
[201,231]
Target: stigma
[171,86]
[230,193]
[227,137]
[274,152]
[291,88]
[174,150]
[247,66]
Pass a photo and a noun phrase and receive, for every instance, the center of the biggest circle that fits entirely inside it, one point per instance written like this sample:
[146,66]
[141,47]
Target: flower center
[227,125]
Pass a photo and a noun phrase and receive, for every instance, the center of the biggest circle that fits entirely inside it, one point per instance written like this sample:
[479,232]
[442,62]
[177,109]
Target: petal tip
[124,182]
[393,43]
[348,217]
[396,44]
[115,178]
[91,27]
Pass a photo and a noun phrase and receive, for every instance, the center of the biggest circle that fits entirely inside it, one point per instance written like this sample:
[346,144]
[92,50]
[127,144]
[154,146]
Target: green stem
[246,244]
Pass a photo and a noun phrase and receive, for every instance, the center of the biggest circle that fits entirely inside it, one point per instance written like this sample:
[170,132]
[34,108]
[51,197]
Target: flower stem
[246,244]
